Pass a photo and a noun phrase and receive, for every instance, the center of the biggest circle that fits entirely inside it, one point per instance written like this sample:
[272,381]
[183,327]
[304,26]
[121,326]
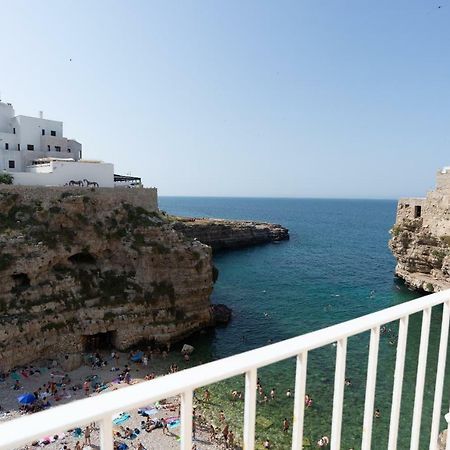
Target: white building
[35,152]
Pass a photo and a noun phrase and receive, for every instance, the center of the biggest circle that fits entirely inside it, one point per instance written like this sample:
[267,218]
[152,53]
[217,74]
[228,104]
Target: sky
[310,98]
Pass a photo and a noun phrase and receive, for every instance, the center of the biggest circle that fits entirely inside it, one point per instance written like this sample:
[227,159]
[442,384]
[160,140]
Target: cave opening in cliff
[99,341]
[82,258]
[417,211]
[21,282]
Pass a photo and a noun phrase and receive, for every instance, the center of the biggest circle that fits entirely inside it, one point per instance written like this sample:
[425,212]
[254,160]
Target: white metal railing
[101,408]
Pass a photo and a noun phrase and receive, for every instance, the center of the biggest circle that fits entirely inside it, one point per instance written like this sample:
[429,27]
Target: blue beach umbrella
[26,399]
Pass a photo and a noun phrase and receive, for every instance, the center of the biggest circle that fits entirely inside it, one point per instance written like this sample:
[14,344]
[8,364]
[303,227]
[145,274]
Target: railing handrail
[28,428]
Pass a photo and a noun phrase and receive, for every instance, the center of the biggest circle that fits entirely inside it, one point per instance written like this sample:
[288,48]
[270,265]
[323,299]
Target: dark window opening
[82,258]
[6,146]
[12,164]
[99,341]
[43,132]
[14,131]
[18,147]
[57,148]
[53,133]
[48,148]
[30,147]
[21,282]
[69,151]
[417,211]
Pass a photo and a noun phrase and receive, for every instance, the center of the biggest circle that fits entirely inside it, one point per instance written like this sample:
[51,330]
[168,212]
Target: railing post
[338,398]
[420,379]
[250,409]
[370,388]
[440,373]
[398,383]
[299,401]
[186,421]
[106,434]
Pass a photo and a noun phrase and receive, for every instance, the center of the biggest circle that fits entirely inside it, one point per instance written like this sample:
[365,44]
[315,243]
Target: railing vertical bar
[338,398]
[440,373]
[106,434]
[370,388]
[398,383]
[186,421]
[299,401]
[420,380]
[250,409]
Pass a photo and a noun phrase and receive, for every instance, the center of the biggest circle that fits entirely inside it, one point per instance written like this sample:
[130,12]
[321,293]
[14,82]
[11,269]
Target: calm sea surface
[336,266]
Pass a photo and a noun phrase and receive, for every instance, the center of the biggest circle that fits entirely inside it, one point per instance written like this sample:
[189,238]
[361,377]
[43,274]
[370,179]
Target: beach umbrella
[26,399]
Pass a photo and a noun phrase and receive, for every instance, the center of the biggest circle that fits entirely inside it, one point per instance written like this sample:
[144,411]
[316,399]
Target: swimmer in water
[377,413]
[288,393]
[323,441]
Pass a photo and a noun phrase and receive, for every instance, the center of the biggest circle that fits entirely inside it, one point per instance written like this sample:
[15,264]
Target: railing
[101,408]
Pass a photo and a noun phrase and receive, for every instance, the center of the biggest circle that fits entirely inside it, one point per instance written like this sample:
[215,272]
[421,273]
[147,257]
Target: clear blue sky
[242,98]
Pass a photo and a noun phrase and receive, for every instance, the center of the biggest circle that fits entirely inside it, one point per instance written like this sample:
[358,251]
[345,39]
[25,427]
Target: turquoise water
[336,266]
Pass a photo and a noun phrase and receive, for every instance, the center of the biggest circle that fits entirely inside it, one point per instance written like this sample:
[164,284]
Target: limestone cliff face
[421,239]
[75,263]
[230,234]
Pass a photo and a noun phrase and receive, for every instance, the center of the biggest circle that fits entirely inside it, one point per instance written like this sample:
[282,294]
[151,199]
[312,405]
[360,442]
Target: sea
[335,267]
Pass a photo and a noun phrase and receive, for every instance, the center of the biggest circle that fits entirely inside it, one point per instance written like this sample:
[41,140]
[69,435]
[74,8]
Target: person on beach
[165,427]
[222,416]
[212,432]
[231,440]
[85,388]
[77,446]
[285,425]
[225,432]
[87,435]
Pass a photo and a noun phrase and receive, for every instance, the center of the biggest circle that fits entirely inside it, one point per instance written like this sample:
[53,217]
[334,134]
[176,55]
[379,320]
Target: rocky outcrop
[81,268]
[229,234]
[420,239]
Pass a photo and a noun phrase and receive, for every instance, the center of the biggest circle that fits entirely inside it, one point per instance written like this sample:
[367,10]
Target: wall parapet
[146,198]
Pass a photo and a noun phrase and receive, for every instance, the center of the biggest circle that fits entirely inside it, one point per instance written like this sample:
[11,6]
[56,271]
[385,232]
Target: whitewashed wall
[58,173]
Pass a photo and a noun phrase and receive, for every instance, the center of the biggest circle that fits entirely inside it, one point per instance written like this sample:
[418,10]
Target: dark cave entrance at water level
[99,341]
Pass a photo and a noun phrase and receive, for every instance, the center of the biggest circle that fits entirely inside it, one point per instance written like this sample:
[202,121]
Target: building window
[14,131]
[57,148]
[6,146]
[18,147]
[30,147]
[48,148]
[43,132]
[417,211]
[69,151]
[53,133]
[12,164]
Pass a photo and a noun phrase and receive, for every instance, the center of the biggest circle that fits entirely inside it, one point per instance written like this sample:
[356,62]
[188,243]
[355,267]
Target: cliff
[79,267]
[229,234]
[420,238]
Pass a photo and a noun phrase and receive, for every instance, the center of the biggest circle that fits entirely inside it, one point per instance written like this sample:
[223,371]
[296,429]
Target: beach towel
[122,447]
[148,412]
[174,424]
[137,357]
[77,433]
[121,419]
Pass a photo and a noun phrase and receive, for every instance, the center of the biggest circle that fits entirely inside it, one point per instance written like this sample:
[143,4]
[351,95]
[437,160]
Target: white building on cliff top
[35,152]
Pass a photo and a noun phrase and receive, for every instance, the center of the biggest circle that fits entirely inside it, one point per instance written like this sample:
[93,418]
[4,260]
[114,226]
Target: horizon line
[281,197]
